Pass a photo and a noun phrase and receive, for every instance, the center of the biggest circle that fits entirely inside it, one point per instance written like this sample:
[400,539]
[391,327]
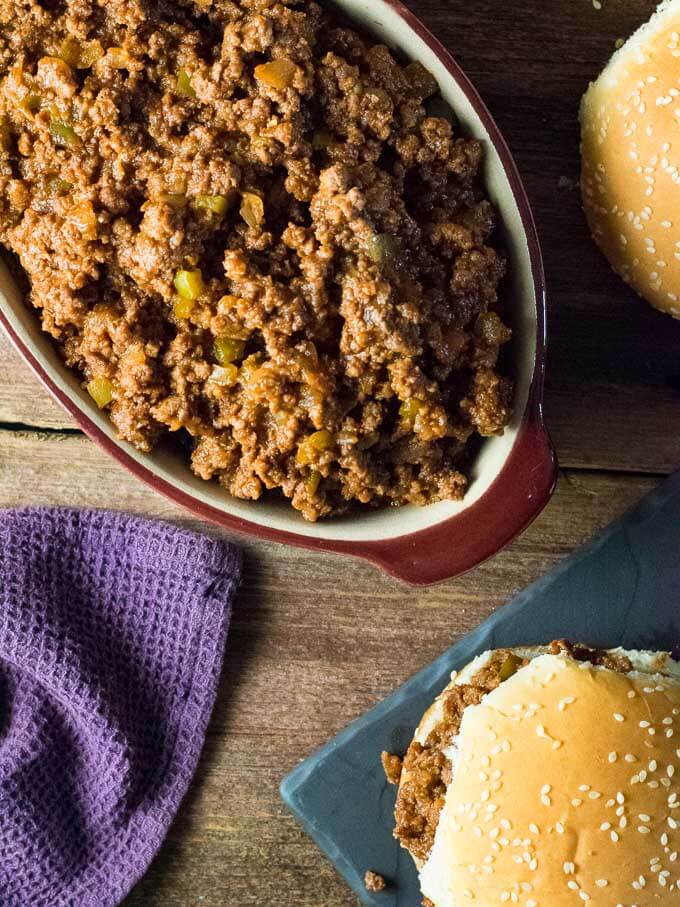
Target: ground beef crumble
[420,798]
[392,766]
[373,881]
[243,222]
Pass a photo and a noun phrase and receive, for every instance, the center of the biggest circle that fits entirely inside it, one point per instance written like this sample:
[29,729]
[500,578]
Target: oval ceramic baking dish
[513,476]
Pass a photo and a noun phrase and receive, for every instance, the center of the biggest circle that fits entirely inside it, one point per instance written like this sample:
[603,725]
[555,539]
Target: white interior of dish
[376,17]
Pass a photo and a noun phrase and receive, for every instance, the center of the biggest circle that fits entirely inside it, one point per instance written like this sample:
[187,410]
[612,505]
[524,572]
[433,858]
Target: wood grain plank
[23,399]
[304,658]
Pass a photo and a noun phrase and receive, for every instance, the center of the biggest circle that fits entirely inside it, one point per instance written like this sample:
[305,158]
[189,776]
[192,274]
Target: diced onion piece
[184,86]
[189,284]
[383,248]
[90,52]
[249,367]
[69,51]
[313,445]
[117,58]
[101,391]
[312,481]
[252,209]
[510,667]
[218,204]
[278,74]
[174,199]
[80,54]
[224,375]
[183,308]
[63,134]
[228,349]
[409,409]
[30,104]
[55,185]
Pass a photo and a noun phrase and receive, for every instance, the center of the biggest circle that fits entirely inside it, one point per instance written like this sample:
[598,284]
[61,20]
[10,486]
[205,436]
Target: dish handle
[513,501]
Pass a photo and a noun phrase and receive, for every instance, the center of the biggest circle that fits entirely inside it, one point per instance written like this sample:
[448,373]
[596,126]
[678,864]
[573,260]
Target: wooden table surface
[318,639]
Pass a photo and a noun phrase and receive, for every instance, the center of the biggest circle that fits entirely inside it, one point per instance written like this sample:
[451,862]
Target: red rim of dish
[449,548]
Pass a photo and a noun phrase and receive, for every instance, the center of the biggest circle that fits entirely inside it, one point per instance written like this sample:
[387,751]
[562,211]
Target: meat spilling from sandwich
[537,771]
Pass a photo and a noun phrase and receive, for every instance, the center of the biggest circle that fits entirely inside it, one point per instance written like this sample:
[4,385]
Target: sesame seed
[572,884]
[618,716]
[601,883]
[612,757]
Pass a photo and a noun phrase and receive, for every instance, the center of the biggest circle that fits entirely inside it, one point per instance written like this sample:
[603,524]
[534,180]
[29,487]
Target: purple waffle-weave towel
[112,631]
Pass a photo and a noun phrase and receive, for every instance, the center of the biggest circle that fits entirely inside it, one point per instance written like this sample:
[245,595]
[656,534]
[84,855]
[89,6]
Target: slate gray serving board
[622,589]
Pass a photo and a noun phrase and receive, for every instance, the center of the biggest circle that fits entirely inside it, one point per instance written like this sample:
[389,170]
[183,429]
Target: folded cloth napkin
[112,631]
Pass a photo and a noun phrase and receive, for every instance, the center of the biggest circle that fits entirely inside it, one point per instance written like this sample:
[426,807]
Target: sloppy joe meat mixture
[421,797]
[244,222]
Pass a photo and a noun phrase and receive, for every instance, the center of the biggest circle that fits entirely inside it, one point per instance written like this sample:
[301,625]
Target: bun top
[564,791]
[630,179]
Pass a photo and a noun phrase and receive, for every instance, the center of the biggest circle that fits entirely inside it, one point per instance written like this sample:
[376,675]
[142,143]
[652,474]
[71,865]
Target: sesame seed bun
[630,146]
[563,786]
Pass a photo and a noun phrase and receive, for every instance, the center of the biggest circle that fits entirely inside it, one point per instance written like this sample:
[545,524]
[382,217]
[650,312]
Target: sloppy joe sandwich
[547,776]
[630,180]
